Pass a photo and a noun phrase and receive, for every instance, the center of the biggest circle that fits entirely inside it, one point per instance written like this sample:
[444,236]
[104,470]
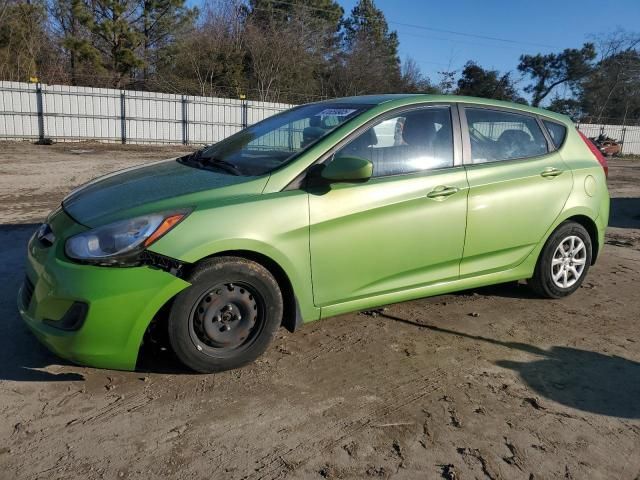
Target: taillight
[597,153]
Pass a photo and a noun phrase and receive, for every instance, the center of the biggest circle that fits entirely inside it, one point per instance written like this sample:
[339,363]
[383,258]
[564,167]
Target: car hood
[153,187]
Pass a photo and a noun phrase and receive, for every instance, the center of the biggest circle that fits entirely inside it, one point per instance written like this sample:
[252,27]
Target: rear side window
[557,132]
[410,142]
[496,135]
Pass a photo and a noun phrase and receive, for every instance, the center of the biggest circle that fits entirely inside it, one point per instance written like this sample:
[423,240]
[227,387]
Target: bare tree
[210,57]
[412,80]
[26,49]
[288,58]
[612,88]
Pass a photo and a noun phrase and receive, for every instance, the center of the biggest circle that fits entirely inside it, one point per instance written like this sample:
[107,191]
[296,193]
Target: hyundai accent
[327,208]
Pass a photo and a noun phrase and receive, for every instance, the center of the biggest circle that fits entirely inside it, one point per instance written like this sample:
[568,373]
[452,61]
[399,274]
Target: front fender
[275,226]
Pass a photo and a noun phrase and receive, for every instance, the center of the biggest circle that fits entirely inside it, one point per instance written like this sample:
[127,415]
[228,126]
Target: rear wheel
[564,261]
[227,317]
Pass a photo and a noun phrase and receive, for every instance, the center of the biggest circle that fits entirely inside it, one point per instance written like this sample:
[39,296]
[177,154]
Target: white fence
[64,113]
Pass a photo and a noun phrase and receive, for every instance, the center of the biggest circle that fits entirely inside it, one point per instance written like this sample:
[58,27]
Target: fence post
[624,131]
[245,113]
[290,135]
[40,107]
[123,118]
[185,121]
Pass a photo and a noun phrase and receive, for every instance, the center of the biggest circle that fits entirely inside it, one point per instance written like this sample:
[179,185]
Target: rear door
[518,185]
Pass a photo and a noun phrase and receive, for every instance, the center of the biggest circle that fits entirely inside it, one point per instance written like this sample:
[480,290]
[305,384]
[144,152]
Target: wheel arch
[588,218]
[592,229]
[155,332]
[292,316]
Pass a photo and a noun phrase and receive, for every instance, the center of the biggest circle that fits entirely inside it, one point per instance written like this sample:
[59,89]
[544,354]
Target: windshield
[267,145]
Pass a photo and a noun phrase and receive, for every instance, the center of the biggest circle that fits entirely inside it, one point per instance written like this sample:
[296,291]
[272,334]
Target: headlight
[124,239]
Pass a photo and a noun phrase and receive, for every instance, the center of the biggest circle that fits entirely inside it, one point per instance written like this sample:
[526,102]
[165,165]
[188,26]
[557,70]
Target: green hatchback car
[327,208]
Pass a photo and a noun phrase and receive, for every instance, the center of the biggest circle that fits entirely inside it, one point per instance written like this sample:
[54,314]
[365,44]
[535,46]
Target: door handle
[442,191]
[551,172]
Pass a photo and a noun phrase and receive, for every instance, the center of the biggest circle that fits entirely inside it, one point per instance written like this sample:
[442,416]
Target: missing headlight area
[167,264]
[45,235]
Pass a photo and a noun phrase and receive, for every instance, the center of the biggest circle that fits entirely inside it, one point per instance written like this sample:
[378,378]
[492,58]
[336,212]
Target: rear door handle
[442,191]
[551,172]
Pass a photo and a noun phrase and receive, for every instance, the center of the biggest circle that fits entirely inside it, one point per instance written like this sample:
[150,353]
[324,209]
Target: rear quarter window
[557,132]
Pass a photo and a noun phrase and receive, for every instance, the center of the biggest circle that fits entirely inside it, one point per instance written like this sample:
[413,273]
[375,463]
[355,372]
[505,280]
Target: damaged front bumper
[91,315]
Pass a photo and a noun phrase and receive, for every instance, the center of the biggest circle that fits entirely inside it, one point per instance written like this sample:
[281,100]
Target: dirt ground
[487,384]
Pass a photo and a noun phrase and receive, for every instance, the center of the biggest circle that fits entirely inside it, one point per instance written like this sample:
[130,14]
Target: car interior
[512,143]
[497,135]
[424,141]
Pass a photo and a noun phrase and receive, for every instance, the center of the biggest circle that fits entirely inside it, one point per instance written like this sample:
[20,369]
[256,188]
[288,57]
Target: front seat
[359,146]
[419,129]
[313,132]
[419,135]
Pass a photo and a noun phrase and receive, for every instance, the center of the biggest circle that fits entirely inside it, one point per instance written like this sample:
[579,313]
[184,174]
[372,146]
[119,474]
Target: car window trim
[546,130]
[551,147]
[466,138]
[298,182]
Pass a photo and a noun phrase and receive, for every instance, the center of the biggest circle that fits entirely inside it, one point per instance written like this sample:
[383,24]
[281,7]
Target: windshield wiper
[202,162]
[222,164]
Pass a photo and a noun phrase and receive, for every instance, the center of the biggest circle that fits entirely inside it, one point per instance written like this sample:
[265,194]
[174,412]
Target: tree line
[288,51]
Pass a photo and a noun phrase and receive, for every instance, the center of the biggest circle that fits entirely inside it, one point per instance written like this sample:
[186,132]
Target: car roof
[401,99]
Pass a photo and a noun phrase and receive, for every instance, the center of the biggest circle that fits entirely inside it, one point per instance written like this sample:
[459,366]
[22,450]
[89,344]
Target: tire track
[401,396]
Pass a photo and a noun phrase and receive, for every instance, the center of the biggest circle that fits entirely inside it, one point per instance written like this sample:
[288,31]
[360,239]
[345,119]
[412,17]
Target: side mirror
[347,169]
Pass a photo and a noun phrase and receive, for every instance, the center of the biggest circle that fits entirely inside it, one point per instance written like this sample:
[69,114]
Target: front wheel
[227,317]
[564,261]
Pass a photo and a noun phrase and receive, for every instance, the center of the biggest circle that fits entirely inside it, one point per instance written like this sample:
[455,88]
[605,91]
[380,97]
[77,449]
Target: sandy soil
[492,383]
[35,178]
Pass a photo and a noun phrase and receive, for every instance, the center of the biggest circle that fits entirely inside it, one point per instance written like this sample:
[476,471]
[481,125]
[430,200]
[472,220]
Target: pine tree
[476,81]
[266,11]
[551,70]
[71,19]
[372,60]
[115,37]
[161,21]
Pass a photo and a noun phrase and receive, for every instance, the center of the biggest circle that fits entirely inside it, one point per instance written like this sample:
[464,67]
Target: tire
[555,260]
[227,317]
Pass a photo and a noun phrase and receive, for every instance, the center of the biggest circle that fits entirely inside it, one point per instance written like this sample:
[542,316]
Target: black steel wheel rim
[227,319]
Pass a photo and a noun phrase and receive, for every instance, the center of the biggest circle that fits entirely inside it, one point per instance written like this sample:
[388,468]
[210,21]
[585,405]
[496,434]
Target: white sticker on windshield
[336,112]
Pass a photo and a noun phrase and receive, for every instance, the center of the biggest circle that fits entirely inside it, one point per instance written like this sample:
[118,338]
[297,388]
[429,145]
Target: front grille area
[27,292]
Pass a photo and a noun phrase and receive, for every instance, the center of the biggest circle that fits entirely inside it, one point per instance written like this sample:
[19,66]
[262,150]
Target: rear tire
[564,261]
[227,317]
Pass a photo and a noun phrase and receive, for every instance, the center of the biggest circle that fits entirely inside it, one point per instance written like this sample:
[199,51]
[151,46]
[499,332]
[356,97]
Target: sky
[445,34]
[540,26]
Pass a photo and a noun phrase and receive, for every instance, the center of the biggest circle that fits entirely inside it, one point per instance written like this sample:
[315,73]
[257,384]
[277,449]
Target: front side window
[412,141]
[267,145]
[496,135]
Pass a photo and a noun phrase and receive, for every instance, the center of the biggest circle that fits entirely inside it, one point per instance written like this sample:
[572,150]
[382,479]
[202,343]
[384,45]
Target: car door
[518,185]
[405,226]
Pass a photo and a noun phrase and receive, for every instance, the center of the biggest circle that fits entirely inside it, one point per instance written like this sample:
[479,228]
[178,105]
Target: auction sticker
[336,112]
